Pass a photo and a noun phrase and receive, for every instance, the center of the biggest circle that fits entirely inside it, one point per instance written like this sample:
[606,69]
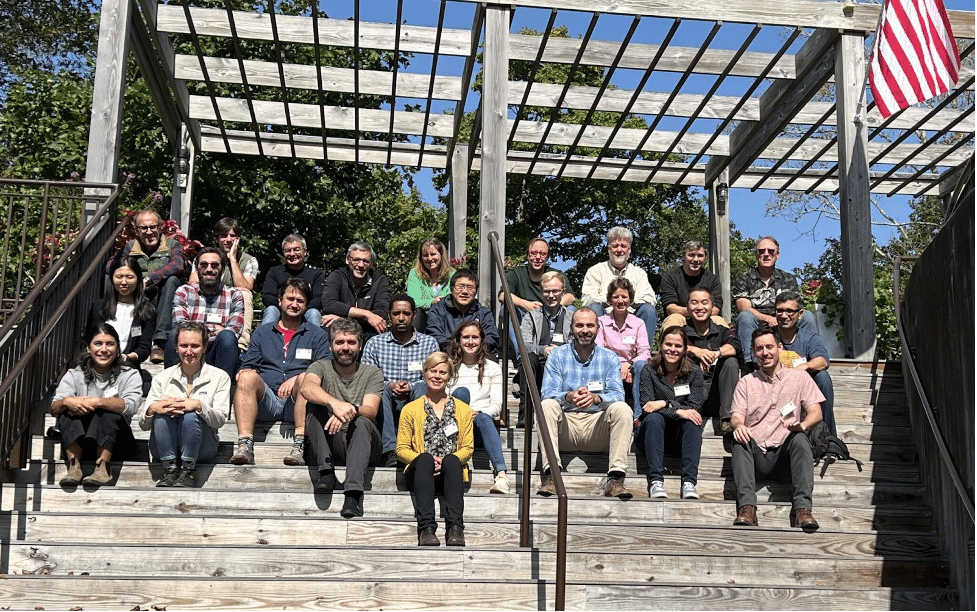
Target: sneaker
[296,456]
[101,476]
[688,491]
[169,477]
[501,484]
[614,487]
[156,355]
[187,479]
[656,490]
[547,489]
[244,453]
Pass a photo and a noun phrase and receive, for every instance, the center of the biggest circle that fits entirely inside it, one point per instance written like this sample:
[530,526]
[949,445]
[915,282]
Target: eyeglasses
[552,291]
[461,287]
[147,228]
[203,265]
[766,251]
[539,253]
[788,310]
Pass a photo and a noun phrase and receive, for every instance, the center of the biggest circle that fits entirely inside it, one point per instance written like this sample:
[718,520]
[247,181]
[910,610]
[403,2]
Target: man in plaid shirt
[399,352]
[219,308]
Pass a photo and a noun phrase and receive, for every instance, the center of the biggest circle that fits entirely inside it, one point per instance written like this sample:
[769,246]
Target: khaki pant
[608,430]
[245,338]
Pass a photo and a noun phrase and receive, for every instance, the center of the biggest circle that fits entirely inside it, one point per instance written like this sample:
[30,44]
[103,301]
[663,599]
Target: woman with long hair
[478,381]
[427,282]
[625,334]
[186,406]
[132,315]
[94,403]
[671,405]
[435,442]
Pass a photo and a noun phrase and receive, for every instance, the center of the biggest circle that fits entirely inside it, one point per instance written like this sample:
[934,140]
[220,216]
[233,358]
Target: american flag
[914,57]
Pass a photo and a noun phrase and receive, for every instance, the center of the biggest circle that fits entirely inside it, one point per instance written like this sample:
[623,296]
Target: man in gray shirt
[343,397]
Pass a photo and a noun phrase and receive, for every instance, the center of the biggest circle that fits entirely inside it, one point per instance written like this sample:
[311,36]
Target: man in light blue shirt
[583,404]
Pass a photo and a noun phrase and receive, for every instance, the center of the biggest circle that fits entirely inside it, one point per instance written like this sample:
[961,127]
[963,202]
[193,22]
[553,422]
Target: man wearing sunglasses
[755,292]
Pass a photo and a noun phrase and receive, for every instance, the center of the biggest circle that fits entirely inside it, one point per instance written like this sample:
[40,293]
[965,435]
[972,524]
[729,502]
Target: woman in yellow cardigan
[435,440]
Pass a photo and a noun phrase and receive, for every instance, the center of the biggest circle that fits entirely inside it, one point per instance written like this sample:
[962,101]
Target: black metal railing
[39,334]
[534,412]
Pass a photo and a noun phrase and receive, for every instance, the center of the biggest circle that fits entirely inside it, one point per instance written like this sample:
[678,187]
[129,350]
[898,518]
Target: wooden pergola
[758,122]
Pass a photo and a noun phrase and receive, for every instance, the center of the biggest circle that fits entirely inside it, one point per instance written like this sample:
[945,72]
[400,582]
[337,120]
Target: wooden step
[309,560]
[485,532]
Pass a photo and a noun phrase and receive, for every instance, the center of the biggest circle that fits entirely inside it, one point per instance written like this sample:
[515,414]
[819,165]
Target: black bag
[827,448]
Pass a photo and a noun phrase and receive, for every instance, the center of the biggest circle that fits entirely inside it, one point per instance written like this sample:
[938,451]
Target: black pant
[421,480]
[98,429]
[356,445]
[722,384]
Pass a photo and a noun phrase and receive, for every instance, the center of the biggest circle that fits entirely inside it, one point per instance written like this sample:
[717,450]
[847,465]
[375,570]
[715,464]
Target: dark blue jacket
[266,353]
[444,317]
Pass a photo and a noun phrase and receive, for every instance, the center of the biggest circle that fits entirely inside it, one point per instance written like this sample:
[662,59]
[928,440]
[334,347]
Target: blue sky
[801,242]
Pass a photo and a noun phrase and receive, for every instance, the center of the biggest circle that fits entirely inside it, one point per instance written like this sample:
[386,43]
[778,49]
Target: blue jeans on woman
[651,435]
[186,435]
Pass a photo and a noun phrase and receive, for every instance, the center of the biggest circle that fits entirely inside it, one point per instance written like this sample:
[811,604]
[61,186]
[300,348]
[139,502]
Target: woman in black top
[671,404]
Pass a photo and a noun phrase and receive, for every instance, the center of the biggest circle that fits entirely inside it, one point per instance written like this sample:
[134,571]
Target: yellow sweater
[410,435]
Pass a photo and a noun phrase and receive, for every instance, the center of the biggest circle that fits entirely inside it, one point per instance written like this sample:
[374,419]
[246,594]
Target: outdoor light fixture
[722,197]
[183,166]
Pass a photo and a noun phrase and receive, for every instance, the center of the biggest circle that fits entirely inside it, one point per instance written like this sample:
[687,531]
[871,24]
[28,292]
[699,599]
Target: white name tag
[135,332]
[798,362]
[681,390]
[451,429]
[558,339]
[595,386]
[214,317]
[303,353]
[788,409]
[201,393]
[629,340]
[112,392]
[415,366]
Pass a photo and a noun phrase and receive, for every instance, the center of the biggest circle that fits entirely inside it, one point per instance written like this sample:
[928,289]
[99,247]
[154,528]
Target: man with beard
[219,308]
[445,316]
[294,252]
[272,372]
[343,397]
[600,275]
[357,291]
[399,352]
[583,403]
[163,265]
[772,408]
[679,281]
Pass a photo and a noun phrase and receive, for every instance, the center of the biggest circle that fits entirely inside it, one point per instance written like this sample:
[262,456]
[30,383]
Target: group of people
[374,380]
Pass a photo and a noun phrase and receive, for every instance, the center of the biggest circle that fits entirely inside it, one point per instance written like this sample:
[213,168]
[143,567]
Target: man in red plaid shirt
[219,308]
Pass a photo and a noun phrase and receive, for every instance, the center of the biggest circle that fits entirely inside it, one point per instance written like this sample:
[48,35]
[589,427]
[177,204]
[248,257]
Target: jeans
[652,435]
[271,314]
[221,353]
[389,415]
[793,458]
[636,386]
[823,380]
[646,312]
[185,435]
[746,322]
[487,436]
[420,479]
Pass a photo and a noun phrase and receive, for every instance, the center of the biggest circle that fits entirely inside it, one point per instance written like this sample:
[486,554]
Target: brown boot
[74,475]
[802,517]
[746,516]
[101,476]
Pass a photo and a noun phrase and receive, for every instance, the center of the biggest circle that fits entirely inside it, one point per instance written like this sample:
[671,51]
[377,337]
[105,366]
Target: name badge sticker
[629,340]
[136,331]
[451,429]
[788,409]
[558,339]
[214,317]
[798,362]
[415,366]
[112,392]
[303,353]
[595,386]
[682,390]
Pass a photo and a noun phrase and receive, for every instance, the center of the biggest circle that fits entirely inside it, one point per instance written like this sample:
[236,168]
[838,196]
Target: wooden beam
[182,198]
[332,32]
[719,258]
[458,208]
[156,81]
[780,102]
[907,119]
[495,61]
[301,76]
[857,248]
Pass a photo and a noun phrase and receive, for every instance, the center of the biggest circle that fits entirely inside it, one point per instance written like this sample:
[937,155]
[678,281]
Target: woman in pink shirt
[626,335]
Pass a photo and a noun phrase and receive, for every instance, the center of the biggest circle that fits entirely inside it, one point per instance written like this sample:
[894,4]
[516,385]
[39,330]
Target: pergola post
[183,163]
[458,193]
[102,164]
[494,116]
[856,214]
[719,236]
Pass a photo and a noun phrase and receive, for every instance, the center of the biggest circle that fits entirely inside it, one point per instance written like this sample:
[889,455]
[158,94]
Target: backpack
[827,448]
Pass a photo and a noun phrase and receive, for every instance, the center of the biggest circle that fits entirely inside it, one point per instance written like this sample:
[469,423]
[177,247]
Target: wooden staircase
[257,536]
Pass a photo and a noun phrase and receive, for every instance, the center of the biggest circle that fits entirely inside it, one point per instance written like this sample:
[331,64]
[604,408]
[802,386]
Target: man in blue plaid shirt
[219,308]
[399,352]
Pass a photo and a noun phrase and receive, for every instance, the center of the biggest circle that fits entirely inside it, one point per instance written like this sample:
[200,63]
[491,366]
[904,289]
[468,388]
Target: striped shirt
[399,361]
[224,308]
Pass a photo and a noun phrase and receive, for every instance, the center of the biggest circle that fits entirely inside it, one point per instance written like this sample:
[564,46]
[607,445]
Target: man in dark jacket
[445,316]
[357,291]
[294,251]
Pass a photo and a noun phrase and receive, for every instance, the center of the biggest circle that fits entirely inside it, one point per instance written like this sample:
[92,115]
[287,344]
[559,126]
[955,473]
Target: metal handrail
[525,537]
[910,360]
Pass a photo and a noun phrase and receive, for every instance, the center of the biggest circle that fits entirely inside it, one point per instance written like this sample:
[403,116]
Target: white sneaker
[656,490]
[501,484]
[688,491]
